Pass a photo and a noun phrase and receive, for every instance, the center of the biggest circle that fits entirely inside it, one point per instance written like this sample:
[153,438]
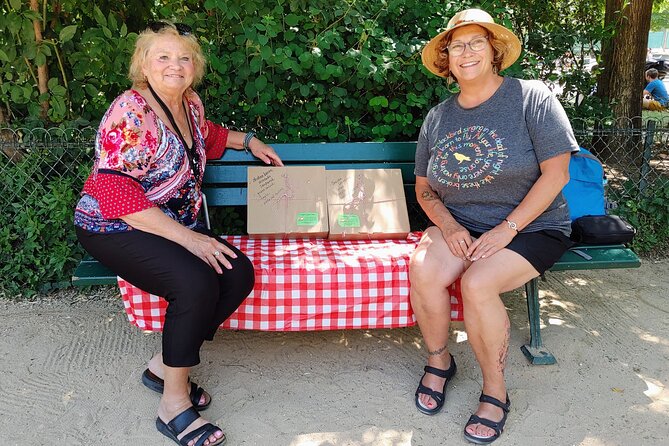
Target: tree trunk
[624,55]
[622,81]
[42,71]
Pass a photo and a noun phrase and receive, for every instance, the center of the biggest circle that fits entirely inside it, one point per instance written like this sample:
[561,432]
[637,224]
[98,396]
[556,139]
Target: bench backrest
[225,179]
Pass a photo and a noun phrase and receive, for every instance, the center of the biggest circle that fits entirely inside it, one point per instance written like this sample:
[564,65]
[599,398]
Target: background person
[138,216]
[490,164]
[655,94]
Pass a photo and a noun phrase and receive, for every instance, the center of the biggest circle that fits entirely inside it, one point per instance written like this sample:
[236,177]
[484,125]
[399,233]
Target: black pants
[199,299]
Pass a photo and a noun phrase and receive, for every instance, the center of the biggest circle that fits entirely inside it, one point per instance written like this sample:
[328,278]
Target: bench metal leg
[534,351]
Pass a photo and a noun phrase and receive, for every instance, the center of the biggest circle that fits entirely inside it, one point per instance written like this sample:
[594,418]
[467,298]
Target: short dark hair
[652,73]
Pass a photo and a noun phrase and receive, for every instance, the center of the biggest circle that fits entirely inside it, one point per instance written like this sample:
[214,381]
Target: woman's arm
[258,148]
[154,221]
[434,208]
[554,176]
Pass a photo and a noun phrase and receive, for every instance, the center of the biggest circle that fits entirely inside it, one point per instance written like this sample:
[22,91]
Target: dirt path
[70,369]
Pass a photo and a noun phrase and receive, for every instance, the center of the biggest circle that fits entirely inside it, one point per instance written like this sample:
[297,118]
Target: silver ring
[462,241]
[216,253]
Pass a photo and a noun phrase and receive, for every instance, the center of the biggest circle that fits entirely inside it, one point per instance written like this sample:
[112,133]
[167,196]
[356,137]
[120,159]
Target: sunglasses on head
[182,28]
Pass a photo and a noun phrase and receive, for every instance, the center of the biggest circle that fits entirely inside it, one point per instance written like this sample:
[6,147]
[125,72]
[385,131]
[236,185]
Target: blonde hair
[499,51]
[143,45]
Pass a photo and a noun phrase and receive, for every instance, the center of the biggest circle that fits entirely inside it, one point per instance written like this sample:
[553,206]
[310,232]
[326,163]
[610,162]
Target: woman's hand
[264,152]
[210,250]
[490,242]
[457,238]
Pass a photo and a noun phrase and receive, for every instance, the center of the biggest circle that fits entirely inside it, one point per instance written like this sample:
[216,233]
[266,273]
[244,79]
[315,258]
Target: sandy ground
[70,374]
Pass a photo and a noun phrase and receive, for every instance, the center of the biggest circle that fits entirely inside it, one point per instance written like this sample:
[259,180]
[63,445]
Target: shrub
[649,214]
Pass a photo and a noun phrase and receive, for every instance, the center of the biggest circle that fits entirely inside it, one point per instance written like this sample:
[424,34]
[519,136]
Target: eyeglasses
[458,48]
[182,28]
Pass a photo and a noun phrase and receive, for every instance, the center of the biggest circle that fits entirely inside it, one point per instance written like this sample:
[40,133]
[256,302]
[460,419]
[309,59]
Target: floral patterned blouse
[140,163]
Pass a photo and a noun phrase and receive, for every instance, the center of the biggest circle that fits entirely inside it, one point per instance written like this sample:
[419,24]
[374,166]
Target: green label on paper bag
[348,221]
[307,219]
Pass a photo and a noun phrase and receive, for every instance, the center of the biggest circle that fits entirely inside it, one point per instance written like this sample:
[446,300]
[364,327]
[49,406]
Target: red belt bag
[601,230]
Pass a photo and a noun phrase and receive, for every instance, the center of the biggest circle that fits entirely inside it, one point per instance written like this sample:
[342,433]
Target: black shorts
[541,248]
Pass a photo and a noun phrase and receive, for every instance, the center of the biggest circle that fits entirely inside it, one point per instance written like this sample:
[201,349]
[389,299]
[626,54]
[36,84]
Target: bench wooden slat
[224,174]
[324,153]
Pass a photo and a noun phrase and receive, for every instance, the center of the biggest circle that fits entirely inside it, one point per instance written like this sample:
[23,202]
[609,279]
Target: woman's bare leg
[487,323]
[432,270]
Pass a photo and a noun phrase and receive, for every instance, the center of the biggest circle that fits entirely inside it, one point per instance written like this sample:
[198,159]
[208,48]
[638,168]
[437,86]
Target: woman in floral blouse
[138,216]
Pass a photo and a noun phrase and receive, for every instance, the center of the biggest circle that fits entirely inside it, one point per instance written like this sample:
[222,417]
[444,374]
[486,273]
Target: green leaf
[40,59]
[266,53]
[304,90]
[260,83]
[67,33]
[3,56]
[255,64]
[292,20]
[99,16]
[250,89]
[113,24]
[107,32]
[124,30]
[378,101]
[59,90]
[15,4]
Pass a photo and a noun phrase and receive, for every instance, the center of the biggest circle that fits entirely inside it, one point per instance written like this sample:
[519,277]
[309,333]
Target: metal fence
[36,164]
[636,159]
[30,158]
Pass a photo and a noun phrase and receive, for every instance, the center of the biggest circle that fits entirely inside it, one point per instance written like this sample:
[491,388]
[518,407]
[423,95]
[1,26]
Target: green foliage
[318,70]
[562,47]
[228,220]
[294,70]
[37,229]
[86,53]
[649,214]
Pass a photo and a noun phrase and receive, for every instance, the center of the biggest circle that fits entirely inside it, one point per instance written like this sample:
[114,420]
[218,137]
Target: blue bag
[585,191]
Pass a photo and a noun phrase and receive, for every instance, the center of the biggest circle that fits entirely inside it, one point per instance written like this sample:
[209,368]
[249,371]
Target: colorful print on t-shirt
[469,157]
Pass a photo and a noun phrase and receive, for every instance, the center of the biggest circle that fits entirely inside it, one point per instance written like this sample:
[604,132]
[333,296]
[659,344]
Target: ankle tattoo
[438,351]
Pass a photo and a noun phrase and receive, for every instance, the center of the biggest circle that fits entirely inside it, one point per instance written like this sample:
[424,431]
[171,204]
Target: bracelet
[511,224]
[247,140]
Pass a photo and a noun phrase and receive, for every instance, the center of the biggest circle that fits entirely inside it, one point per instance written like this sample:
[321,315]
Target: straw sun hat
[472,17]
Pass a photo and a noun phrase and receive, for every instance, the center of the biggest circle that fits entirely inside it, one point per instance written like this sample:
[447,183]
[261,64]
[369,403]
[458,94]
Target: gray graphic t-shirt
[483,161]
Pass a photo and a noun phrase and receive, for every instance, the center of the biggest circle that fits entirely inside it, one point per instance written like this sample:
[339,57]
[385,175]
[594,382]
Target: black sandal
[438,397]
[498,426]
[181,422]
[150,380]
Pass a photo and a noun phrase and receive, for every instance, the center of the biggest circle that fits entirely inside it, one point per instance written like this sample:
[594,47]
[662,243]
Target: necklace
[191,152]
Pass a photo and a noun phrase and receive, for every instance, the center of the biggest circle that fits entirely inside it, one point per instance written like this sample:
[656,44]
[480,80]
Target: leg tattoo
[504,349]
[438,351]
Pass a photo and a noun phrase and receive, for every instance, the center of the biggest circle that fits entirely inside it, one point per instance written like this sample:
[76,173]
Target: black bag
[601,230]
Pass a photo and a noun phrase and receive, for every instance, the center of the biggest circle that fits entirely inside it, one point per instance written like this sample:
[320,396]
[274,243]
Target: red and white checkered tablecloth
[312,284]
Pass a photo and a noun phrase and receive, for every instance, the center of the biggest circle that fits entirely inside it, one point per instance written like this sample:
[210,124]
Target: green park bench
[225,185]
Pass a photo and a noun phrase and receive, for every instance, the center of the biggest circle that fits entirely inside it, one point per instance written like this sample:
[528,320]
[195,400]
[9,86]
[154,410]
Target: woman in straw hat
[490,164]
